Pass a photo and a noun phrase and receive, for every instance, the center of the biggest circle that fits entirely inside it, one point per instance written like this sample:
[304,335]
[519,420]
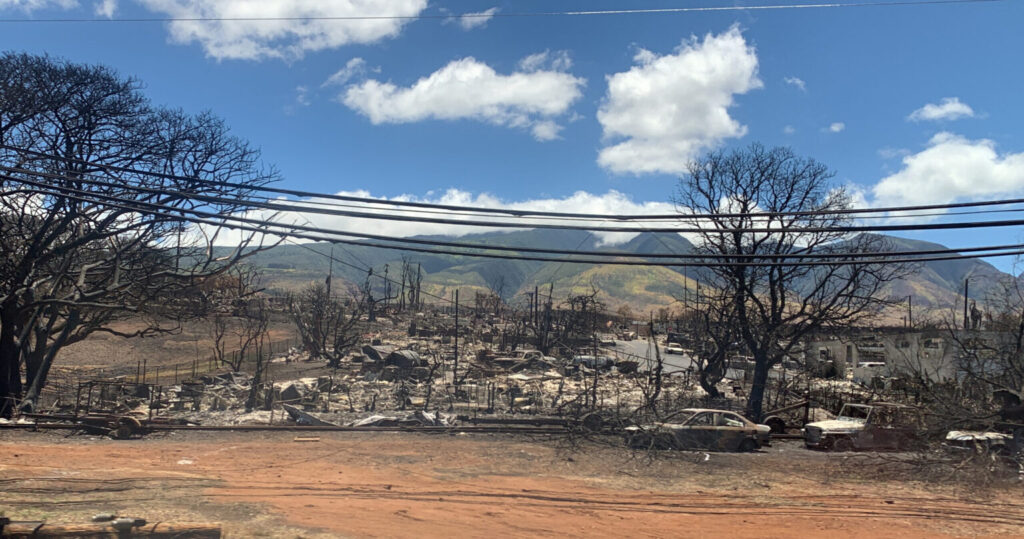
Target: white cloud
[302,96]
[950,108]
[671,108]
[951,168]
[892,153]
[611,203]
[796,81]
[835,127]
[105,8]
[788,130]
[553,61]
[479,19]
[355,67]
[545,130]
[291,35]
[469,89]
[32,5]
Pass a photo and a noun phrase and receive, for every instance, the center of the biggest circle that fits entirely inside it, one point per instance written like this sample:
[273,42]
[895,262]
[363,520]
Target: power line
[650,11]
[273,229]
[509,211]
[957,225]
[800,254]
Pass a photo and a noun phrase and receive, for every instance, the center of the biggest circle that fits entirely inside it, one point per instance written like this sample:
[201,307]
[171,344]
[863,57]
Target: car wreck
[866,426]
[698,428]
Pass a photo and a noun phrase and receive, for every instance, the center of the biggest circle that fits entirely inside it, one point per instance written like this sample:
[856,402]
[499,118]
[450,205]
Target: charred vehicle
[866,426]
[694,428]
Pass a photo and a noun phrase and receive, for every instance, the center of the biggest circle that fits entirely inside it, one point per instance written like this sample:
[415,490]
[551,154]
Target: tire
[122,432]
[843,443]
[747,446]
[592,422]
[777,424]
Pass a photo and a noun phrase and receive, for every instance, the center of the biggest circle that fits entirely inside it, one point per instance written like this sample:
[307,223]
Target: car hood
[971,436]
[835,424]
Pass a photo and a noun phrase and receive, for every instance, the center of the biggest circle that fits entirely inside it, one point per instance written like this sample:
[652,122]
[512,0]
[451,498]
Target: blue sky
[839,85]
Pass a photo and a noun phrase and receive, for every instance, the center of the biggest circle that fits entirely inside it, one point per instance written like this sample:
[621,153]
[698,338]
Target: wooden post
[455,368]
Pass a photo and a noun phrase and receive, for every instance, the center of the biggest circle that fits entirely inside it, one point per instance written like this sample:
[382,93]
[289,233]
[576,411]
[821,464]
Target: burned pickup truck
[695,428]
[878,425]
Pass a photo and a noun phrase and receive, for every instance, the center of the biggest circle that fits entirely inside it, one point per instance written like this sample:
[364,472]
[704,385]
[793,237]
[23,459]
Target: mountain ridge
[934,285]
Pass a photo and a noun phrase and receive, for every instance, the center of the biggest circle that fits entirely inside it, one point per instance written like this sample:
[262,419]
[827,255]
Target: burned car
[866,426]
[696,428]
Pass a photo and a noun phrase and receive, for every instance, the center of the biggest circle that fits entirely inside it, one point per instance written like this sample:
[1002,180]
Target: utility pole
[910,310]
[330,271]
[967,324]
[455,370]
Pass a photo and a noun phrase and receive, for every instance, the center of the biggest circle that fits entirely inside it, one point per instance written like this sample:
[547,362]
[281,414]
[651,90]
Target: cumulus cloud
[611,203]
[950,108]
[287,38]
[788,130]
[796,81]
[470,89]
[479,19]
[835,127]
[952,167]
[669,109]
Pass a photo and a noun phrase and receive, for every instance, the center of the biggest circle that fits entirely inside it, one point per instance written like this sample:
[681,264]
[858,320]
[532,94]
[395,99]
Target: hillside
[935,285]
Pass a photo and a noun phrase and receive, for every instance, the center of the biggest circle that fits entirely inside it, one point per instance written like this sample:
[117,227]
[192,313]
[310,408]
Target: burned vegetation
[109,212]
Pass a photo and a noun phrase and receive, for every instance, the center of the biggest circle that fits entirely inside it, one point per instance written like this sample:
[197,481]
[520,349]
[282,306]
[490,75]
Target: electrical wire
[274,229]
[509,211]
[632,11]
[957,225]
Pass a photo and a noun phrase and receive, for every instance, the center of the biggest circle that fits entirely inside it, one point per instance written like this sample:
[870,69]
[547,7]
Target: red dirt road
[402,485]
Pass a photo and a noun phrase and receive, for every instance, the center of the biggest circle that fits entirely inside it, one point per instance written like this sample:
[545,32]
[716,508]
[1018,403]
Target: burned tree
[714,335]
[327,325]
[774,306]
[231,295]
[95,186]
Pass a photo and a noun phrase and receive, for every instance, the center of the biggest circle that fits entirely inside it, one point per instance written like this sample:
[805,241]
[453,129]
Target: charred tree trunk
[755,404]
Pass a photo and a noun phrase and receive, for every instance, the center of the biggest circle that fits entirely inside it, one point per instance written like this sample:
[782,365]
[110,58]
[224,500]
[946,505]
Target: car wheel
[777,424]
[747,446]
[843,443]
[638,441]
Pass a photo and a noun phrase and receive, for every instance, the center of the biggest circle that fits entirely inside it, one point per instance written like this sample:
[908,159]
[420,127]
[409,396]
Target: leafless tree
[776,306]
[327,325]
[714,336]
[83,245]
[497,285]
[255,322]
[230,295]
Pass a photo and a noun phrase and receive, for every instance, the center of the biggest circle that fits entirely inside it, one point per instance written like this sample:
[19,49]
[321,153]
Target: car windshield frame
[687,415]
[861,407]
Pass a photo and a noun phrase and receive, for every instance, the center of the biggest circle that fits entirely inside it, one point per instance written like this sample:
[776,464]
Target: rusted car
[698,428]
[879,425]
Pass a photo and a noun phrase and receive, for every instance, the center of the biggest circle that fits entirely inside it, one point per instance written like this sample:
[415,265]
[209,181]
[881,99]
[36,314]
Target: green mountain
[935,285]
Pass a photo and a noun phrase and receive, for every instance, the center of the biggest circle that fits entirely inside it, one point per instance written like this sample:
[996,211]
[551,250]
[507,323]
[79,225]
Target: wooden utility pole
[455,369]
[967,324]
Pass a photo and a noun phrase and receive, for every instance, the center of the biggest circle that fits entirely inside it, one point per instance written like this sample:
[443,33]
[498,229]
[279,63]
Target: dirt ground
[401,485]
